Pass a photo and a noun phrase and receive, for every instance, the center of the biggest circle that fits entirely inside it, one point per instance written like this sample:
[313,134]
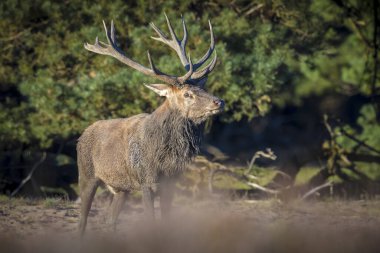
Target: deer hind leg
[117,204]
[167,186]
[148,200]
[87,192]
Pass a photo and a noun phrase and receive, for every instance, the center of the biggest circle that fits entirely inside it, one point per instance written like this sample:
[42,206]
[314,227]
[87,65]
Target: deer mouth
[208,113]
[214,111]
[218,109]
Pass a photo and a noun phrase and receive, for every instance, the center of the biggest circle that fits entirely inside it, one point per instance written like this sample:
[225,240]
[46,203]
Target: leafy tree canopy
[270,51]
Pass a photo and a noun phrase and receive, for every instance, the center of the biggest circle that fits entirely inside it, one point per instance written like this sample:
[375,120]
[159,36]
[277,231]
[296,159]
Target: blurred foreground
[203,226]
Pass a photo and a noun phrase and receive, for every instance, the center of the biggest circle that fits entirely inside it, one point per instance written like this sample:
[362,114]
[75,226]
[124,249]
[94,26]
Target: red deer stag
[147,151]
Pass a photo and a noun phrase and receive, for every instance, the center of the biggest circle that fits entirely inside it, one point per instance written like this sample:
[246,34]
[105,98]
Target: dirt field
[212,225]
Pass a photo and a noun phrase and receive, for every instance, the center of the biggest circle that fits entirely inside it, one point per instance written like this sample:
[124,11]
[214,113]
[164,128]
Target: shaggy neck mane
[173,140]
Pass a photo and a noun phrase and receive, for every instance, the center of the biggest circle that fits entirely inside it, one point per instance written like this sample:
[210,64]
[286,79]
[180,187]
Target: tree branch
[262,188]
[361,35]
[268,154]
[314,190]
[375,58]
[362,143]
[25,180]
[364,158]
[241,178]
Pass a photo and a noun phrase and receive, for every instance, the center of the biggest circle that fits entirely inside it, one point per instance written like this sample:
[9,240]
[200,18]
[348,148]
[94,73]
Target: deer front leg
[117,204]
[148,200]
[166,196]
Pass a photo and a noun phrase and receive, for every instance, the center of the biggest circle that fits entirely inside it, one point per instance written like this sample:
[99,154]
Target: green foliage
[227,182]
[370,170]
[353,152]
[305,175]
[364,141]
[264,176]
[368,133]
[269,52]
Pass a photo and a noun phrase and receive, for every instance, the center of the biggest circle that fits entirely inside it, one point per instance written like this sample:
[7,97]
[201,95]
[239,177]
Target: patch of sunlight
[305,175]
[227,182]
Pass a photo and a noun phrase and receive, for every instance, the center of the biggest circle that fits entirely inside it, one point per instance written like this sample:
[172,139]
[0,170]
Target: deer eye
[186,95]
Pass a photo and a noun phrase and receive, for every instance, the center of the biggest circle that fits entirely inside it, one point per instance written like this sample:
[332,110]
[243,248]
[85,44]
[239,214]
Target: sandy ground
[211,225]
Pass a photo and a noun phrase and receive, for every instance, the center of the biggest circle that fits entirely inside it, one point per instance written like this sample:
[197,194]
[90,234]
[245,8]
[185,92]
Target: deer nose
[219,102]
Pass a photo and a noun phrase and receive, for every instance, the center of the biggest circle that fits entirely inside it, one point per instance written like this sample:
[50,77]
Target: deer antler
[179,47]
[190,77]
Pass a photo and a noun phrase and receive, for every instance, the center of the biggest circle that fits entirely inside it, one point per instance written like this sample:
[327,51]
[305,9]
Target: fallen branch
[284,174]
[253,10]
[225,171]
[268,154]
[262,188]
[25,180]
[252,177]
[314,190]
[241,178]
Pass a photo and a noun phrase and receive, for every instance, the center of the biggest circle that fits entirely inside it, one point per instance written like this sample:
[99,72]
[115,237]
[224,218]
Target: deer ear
[161,89]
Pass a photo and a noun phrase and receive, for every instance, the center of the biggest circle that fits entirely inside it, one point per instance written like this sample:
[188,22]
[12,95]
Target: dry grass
[202,226]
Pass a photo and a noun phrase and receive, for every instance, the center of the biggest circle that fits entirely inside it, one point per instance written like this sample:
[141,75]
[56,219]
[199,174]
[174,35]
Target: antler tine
[111,49]
[206,70]
[191,77]
[151,62]
[96,48]
[172,33]
[174,43]
[113,32]
[106,30]
[186,77]
[184,39]
[111,38]
[162,37]
[209,51]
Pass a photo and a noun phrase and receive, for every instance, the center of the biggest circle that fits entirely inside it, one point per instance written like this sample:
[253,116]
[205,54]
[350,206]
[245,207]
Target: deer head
[183,93]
